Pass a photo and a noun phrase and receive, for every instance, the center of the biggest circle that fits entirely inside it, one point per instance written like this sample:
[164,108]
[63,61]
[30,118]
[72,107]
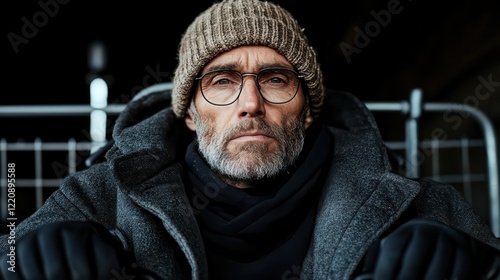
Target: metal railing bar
[48,146]
[31,183]
[3,182]
[467,188]
[402,107]
[71,155]
[55,110]
[38,173]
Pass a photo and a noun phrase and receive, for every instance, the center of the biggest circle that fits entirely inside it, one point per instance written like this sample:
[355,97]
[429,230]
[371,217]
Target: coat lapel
[160,192]
[360,201]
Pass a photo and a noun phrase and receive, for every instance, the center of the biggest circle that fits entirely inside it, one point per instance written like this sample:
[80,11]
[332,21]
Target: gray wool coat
[138,193]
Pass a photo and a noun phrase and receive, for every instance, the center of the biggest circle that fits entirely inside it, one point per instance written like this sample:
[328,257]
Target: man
[281,181]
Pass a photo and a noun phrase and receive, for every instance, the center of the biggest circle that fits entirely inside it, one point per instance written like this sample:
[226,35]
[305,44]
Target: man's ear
[308,120]
[189,121]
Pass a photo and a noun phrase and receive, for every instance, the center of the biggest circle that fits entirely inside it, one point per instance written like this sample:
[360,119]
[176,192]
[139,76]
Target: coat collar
[145,163]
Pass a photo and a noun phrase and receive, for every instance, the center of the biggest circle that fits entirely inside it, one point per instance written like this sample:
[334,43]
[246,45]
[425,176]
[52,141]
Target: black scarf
[264,232]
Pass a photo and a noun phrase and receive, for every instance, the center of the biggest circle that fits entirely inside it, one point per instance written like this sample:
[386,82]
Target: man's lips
[251,135]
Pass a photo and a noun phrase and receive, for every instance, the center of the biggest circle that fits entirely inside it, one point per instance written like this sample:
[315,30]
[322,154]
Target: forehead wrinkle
[249,58]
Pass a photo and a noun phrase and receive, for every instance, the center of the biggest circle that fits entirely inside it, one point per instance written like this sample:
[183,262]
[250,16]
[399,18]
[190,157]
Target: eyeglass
[275,85]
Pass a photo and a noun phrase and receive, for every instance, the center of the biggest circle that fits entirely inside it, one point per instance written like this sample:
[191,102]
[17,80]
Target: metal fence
[413,109]
[410,147]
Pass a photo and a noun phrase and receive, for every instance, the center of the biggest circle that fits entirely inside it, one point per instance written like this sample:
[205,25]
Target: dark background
[439,46]
[443,47]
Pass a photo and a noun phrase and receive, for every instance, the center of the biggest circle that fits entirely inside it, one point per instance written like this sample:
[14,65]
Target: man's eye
[276,80]
[222,81]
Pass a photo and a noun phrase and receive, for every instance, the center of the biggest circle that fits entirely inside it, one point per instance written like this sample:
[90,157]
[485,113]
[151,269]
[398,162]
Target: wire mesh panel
[39,168]
[467,162]
[32,169]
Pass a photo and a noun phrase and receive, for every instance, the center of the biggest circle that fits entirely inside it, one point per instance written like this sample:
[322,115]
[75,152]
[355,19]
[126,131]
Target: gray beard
[254,161]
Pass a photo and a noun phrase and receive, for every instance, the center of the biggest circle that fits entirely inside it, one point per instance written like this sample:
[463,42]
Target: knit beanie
[232,23]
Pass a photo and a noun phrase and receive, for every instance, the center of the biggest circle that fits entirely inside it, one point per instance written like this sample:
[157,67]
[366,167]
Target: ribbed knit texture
[232,23]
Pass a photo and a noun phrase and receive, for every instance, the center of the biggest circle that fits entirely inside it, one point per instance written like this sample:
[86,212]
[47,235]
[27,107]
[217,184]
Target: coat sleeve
[445,204]
[80,197]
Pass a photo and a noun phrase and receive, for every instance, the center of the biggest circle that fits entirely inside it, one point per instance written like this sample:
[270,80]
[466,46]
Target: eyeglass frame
[255,75]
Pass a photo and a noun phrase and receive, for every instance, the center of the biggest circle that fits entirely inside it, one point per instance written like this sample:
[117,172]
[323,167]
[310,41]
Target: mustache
[251,124]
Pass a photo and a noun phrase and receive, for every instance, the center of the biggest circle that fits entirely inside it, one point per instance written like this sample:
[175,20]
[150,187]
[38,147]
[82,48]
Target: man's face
[250,139]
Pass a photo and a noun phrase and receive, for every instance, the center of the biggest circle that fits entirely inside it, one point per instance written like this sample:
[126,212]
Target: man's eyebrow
[236,66]
[215,67]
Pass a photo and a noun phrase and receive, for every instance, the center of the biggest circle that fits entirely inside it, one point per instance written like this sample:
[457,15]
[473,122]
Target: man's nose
[250,101]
